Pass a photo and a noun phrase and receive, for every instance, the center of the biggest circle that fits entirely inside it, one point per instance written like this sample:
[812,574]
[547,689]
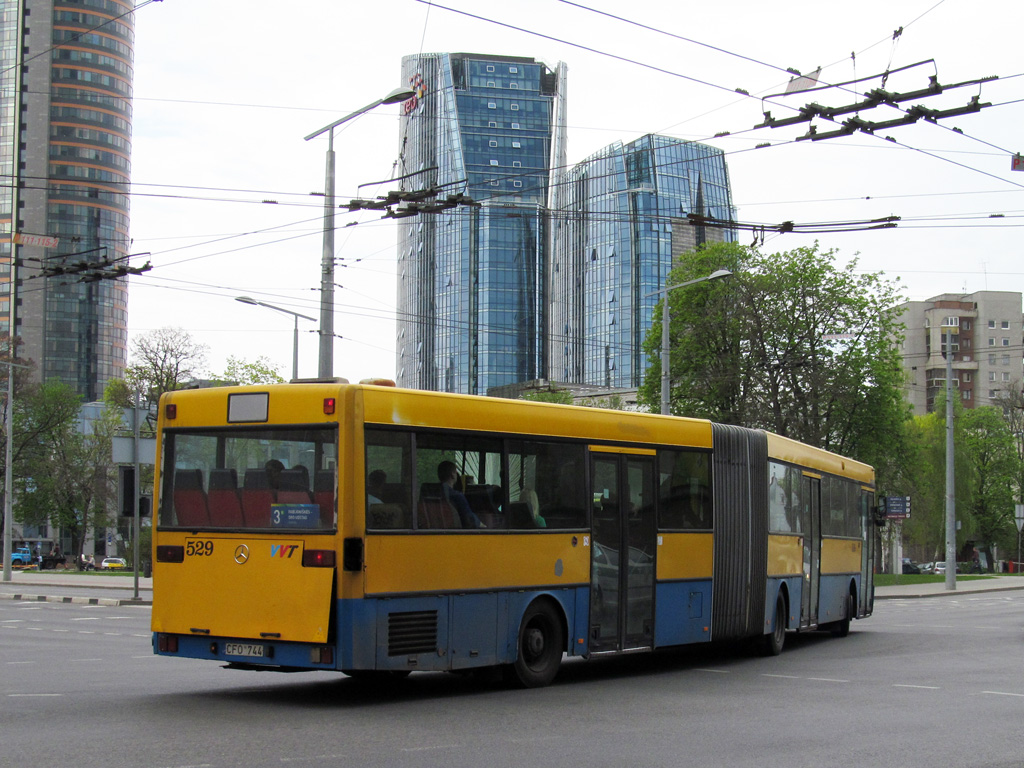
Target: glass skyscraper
[472,303]
[73,155]
[620,222]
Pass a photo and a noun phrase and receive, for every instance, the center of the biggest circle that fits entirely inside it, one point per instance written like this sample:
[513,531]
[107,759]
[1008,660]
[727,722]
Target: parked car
[113,564]
[909,566]
[927,567]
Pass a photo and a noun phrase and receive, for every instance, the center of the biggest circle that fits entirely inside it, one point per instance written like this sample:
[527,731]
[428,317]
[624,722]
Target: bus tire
[539,647]
[842,627]
[774,641]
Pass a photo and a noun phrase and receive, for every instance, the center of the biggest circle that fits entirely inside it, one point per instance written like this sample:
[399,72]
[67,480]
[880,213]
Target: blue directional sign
[897,507]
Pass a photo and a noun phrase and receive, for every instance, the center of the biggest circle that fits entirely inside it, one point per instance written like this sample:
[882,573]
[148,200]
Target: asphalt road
[922,683]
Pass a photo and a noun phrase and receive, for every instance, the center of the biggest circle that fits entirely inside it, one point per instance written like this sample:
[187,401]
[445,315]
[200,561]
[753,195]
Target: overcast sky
[225,93]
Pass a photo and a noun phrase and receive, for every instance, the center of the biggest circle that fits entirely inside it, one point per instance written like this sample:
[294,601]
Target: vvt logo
[283,550]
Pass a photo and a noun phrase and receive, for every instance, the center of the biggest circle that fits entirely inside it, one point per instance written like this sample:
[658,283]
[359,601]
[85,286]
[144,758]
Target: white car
[940,567]
[113,564]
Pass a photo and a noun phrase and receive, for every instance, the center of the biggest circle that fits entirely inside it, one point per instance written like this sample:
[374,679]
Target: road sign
[1020,517]
[41,240]
[1017,164]
[897,507]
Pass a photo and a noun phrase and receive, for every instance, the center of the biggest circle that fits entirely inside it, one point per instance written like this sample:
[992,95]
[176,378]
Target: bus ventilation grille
[412,632]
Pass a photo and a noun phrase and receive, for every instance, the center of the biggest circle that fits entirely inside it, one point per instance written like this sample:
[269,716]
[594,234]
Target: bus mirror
[880,517]
[352,555]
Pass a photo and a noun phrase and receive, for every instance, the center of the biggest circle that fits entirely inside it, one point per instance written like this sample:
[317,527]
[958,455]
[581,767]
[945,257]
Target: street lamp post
[295,333]
[326,358]
[718,274]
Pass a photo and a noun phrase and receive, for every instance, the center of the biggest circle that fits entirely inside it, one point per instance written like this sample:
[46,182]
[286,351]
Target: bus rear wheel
[776,639]
[540,646]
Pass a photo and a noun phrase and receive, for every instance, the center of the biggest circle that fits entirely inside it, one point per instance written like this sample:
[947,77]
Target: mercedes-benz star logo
[241,554]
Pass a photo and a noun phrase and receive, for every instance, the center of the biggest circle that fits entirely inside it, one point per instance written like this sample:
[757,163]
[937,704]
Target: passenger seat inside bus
[223,499]
[189,498]
[323,495]
[294,486]
[434,511]
[257,497]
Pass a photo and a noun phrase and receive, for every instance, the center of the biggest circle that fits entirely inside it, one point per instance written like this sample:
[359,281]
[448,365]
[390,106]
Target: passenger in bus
[375,483]
[448,474]
[274,468]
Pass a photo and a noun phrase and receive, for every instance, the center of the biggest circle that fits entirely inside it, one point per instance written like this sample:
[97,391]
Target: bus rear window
[273,478]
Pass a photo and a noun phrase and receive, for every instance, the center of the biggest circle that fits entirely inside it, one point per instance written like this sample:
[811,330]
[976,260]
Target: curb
[111,602]
[952,593]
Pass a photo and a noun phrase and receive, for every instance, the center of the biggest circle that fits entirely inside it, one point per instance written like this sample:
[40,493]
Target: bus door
[811,501]
[867,566]
[622,552]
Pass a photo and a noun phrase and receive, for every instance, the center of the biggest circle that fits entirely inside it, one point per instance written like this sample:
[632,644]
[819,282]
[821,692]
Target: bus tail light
[170,553]
[329,405]
[167,643]
[170,411]
[318,558]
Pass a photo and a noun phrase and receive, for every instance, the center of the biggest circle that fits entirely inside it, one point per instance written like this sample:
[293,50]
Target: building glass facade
[620,222]
[74,155]
[471,299]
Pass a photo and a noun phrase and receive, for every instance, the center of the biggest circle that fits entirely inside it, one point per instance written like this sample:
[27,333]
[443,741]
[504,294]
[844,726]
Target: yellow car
[113,564]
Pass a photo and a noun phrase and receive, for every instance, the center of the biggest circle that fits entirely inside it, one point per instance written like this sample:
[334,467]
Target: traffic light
[125,491]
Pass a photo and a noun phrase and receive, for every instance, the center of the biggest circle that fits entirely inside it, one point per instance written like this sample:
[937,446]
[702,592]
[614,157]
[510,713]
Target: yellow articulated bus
[380,531]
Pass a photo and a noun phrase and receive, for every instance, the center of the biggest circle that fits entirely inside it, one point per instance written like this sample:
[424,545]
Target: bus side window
[388,484]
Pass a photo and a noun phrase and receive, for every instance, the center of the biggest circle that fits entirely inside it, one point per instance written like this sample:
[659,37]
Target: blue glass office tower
[621,220]
[472,306]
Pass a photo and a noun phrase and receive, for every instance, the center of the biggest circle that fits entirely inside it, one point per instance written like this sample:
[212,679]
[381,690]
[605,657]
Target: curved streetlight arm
[295,330]
[397,95]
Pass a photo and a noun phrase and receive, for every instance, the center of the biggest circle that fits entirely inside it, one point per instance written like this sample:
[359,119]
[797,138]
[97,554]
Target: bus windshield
[274,478]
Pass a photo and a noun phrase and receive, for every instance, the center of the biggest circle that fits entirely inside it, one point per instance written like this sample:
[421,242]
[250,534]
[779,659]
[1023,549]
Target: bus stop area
[96,589]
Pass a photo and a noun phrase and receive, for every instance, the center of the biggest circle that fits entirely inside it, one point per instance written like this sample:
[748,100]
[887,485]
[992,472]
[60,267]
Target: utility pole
[13,285]
[950,478]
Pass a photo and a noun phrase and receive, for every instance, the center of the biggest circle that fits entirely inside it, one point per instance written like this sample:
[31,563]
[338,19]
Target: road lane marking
[784,677]
[922,687]
[715,671]
[33,695]
[1003,693]
[827,680]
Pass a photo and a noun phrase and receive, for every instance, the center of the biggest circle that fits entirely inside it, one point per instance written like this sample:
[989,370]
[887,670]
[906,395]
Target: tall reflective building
[620,222]
[73,151]
[472,309]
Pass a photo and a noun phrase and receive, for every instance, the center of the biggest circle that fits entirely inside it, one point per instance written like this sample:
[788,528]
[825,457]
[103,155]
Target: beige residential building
[987,338]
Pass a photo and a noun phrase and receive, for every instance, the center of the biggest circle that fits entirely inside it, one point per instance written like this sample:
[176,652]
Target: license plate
[245,649]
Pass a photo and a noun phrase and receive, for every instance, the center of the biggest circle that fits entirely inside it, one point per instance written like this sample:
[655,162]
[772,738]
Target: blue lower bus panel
[682,612]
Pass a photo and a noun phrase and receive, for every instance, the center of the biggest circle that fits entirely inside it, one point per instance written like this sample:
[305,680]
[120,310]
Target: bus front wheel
[540,646]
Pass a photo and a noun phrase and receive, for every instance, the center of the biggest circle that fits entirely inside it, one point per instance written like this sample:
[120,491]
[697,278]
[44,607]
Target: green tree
[64,474]
[792,343]
[163,360]
[562,396]
[259,371]
[994,468]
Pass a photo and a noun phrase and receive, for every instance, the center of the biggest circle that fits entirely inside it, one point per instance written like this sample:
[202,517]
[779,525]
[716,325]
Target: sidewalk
[79,588]
[113,590]
[997,583]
